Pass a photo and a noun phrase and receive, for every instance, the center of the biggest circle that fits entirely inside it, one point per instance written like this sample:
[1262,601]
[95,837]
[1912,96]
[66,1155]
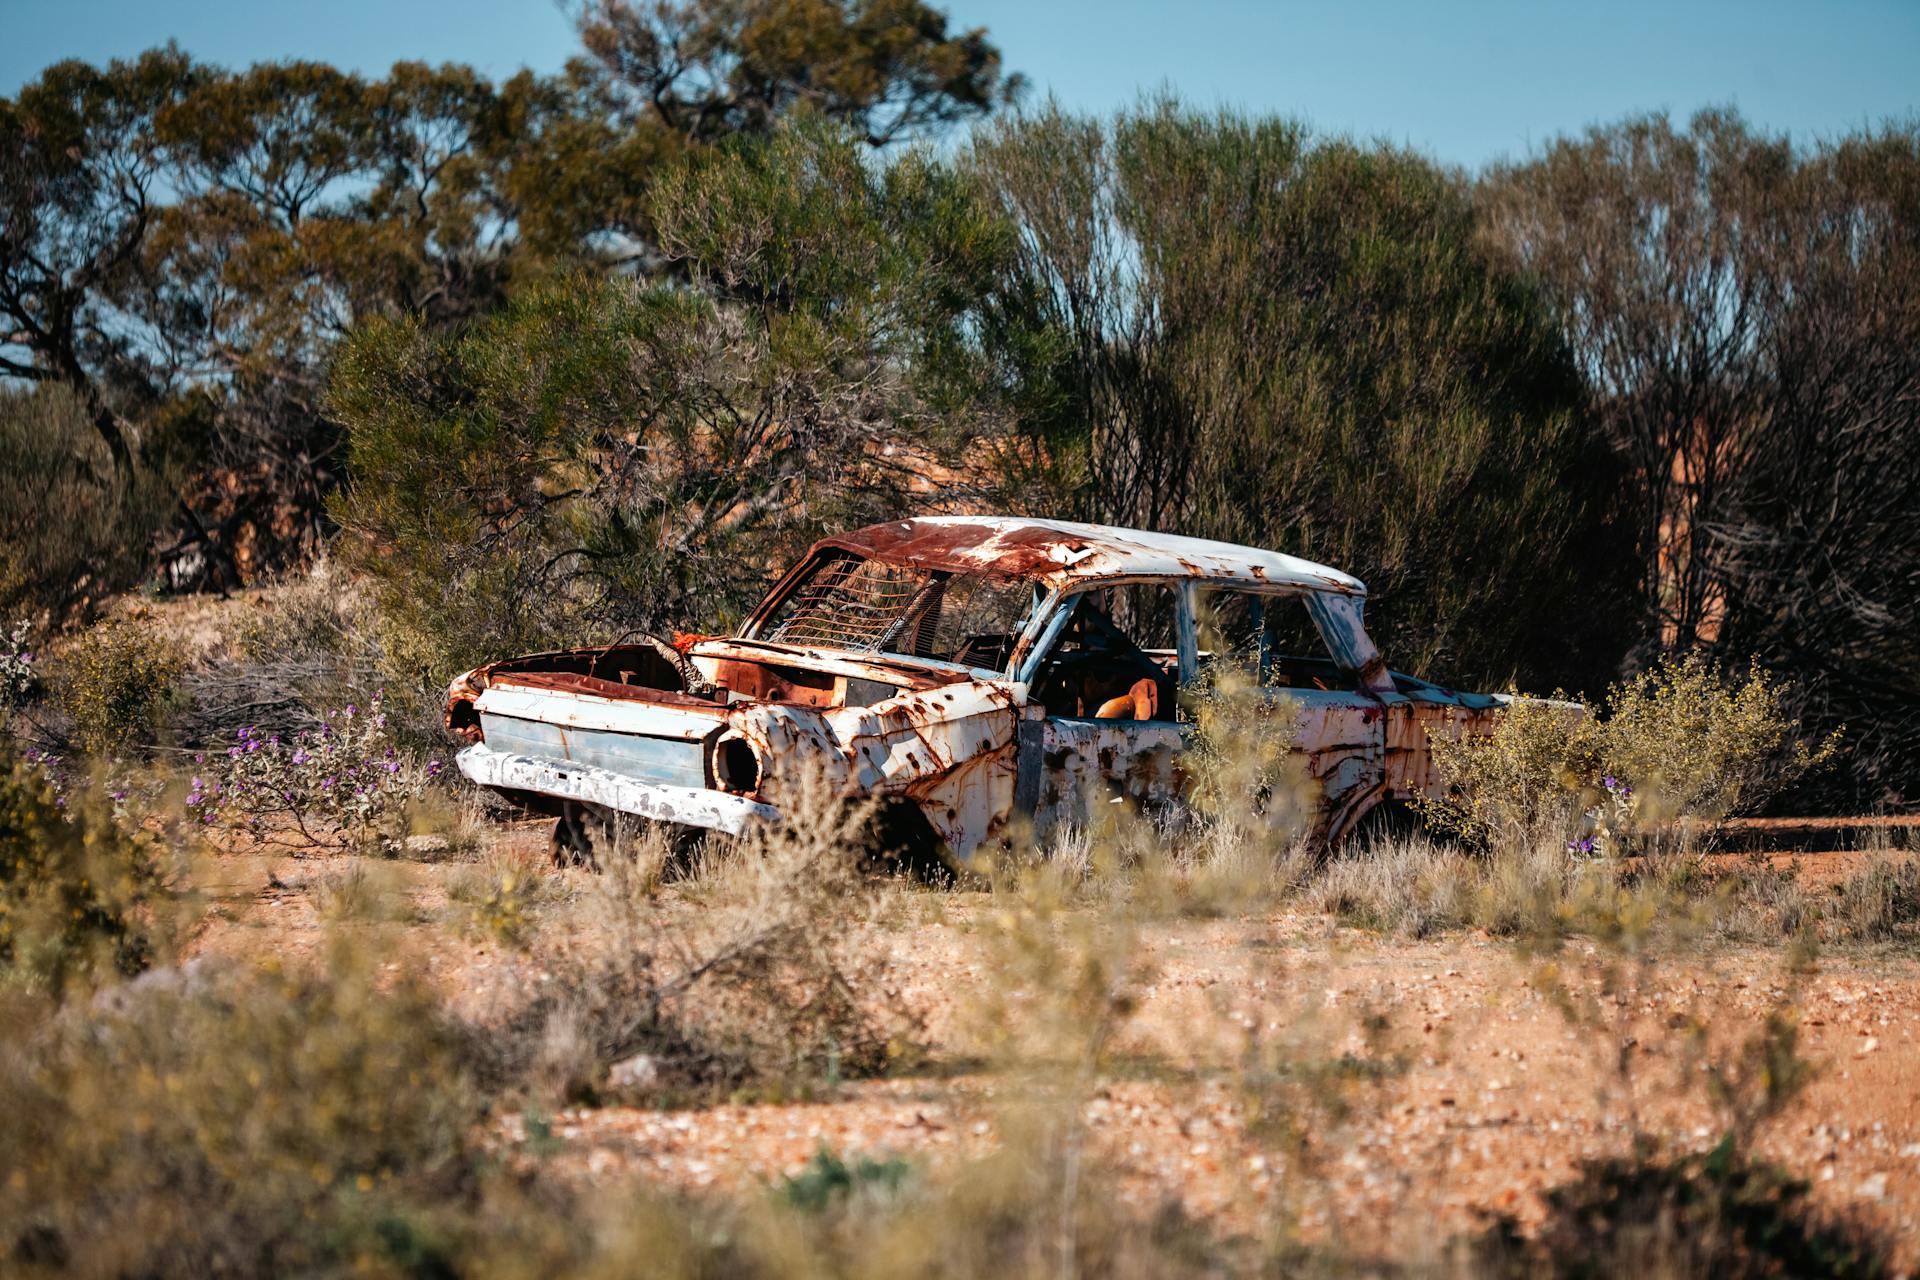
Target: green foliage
[604,455]
[79,530]
[1221,326]
[1683,740]
[885,69]
[82,898]
[1697,741]
[264,1121]
[1531,774]
[827,1179]
[119,682]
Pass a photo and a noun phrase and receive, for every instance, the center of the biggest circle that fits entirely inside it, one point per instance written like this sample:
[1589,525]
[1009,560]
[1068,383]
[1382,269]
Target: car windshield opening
[848,602]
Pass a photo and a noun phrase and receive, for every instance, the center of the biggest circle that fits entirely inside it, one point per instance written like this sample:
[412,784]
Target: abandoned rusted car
[973,674]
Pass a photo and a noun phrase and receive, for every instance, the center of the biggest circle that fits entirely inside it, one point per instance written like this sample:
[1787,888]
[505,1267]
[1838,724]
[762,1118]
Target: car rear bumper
[689,806]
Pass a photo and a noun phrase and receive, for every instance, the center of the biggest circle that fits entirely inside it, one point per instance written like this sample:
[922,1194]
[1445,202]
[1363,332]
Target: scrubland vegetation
[199,1089]
[332,386]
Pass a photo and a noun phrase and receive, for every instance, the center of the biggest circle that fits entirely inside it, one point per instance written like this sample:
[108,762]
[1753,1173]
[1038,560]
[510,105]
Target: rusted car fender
[949,749]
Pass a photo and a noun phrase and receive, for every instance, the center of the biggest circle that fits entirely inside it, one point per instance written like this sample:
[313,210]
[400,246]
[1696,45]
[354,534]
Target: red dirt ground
[1499,1098]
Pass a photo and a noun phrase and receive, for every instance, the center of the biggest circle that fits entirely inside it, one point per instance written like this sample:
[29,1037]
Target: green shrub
[82,898]
[79,530]
[119,682]
[1684,740]
[1695,740]
[828,1179]
[1528,774]
[266,1121]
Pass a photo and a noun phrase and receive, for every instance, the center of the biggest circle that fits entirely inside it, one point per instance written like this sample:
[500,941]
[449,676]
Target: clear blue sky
[1466,81]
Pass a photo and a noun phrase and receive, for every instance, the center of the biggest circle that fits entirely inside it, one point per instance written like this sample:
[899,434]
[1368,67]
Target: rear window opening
[851,603]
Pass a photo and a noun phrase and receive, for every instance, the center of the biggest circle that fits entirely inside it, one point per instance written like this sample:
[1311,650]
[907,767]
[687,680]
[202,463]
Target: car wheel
[1390,820]
[570,844]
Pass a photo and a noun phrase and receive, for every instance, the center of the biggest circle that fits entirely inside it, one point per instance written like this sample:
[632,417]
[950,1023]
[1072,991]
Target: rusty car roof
[1062,553]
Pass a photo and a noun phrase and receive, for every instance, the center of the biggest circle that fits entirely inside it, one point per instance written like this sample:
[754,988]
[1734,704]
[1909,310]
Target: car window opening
[1273,638]
[1103,669]
[868,606]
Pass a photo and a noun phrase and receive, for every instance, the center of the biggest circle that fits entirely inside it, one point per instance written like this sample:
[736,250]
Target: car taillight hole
[735,766]
[464,719]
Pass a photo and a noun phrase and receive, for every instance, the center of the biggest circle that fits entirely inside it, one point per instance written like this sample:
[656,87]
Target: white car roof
[1063,553]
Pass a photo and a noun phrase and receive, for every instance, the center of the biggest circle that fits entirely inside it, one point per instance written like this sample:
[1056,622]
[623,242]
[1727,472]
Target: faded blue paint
[1342,627]
[1051,621]
[669,761]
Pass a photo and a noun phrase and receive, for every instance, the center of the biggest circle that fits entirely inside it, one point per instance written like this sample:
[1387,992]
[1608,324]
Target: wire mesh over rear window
[867,606]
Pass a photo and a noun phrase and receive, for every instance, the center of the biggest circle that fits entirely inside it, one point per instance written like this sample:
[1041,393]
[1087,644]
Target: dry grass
[1879,903]
[756,971]
[333,1114]
[1410,886]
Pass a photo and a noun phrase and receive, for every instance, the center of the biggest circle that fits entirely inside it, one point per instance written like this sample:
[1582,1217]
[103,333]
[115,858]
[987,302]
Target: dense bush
[1715,1214]
[1685,740]
[73,530]
[609,454]
[1534,770]
[118,681]
[1223,326]
[81,897]
[1697,740]
[1745,311]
